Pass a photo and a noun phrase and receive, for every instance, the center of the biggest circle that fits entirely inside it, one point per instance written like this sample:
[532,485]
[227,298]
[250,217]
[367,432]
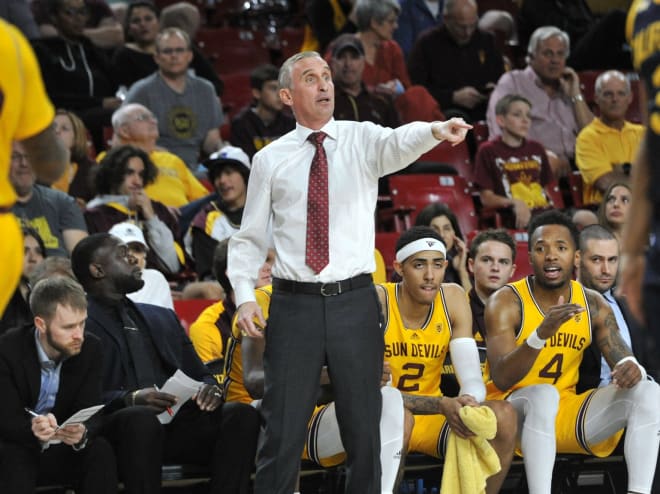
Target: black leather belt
[324,289]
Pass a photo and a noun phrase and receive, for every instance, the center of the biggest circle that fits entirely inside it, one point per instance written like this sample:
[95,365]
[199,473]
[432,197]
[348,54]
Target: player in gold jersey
[538,330]
[26,115]
[244,382]
[423,320]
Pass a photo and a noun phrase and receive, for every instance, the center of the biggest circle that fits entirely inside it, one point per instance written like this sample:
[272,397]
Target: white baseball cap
[128,233]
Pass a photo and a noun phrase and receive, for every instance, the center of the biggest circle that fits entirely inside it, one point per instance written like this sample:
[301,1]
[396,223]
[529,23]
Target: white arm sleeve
[465,358]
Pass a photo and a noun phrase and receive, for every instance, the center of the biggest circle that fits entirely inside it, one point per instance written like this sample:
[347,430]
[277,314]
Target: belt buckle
[331,289]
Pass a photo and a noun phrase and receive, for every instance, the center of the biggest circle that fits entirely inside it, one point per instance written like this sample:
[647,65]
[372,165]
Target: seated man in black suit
[49,371]
[143,346]
[598,264]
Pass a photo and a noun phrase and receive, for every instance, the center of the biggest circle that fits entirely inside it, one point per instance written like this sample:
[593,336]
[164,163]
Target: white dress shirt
[358,154]
[605,371]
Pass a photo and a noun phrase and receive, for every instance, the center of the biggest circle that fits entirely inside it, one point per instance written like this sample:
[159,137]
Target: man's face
[492,266]
[173,56]
[21,175]
[115,263]
[462,23]
[552,256]
[613,99]
[143,25]
[269,96]
[231,186]
[140,125]
[133,177]
[62,336]
[549,61]
[422,275]
[312,95]
[599,263]
[347,68]
[139,252]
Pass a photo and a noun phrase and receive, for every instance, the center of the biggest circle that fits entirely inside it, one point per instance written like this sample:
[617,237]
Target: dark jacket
[169,338]
[20,382]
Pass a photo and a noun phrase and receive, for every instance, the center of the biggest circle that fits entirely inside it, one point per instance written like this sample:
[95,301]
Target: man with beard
[534,363]
[143,346]
[48,372]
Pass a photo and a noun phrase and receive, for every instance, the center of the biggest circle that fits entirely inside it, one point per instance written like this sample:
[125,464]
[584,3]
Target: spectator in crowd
[18,13]
[341,258]
[327,19]
[27,116]
[228,171]
[188,110]
[559,111]
[120,182]
[422,310]
[213,328]
[607,146]
[534,362]
[175,185]
[49,371]
[614,209]
[457,62]
[77,179]
[418,16]
[17,313]
[597,267]
[262,121]
[511,171]
[492,263]
[100,25]
[77,74]
[156,289]
[385,70]
[353,101]
[52,213]
[185,16]
[135,364]
[443,220]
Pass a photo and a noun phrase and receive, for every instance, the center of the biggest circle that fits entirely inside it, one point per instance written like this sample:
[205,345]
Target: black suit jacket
[590,366]
[20,382]
[170,341]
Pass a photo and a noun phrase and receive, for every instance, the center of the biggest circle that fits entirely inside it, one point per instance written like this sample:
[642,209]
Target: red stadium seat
[554,194]
[237,93]
[232,49]
[523,267]
[576,184]
[385,242]
[188,310]
[457,156]
[411,193]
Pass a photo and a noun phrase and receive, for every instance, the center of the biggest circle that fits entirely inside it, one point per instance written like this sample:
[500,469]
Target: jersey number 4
[553,368]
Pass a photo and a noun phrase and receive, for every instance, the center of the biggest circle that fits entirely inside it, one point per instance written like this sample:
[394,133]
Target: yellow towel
[469,462]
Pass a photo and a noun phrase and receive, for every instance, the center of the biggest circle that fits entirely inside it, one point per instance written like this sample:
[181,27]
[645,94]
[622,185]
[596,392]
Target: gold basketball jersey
[416,355]
[559,360]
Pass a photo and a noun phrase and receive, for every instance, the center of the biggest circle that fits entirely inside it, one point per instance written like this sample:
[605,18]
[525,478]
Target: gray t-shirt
[185,118]
[50,212]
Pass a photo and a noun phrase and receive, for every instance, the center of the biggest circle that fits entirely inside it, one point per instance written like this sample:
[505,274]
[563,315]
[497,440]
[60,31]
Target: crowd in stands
[157,181]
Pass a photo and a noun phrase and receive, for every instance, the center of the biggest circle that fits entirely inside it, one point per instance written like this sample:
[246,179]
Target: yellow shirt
[559,360]
[598,147]
[175,185]
[233,382]
[416,355]
[25,109]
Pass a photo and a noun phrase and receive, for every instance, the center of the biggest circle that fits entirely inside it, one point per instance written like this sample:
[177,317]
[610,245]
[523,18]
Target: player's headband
[420,245]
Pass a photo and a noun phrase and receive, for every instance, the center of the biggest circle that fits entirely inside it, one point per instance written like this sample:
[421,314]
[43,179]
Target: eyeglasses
[171,51]
[71,11]
[16,157]
[144,117]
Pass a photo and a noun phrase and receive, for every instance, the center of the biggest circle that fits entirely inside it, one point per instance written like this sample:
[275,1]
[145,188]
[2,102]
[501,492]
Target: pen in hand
[31,412]
[168,409]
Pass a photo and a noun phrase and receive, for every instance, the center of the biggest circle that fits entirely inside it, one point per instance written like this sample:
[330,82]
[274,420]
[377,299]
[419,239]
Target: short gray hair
[546,32]
[450,5]
[377,10]
[285,79]
[168,32]
[602,78]
[121,114]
